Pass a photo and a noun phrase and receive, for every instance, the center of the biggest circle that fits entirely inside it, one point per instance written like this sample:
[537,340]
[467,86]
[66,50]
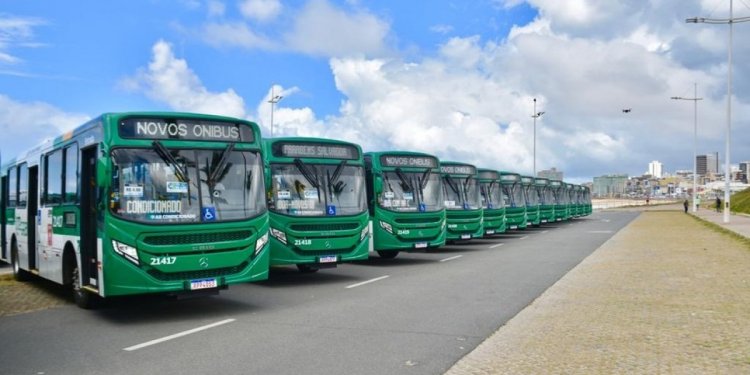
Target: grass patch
[718,228]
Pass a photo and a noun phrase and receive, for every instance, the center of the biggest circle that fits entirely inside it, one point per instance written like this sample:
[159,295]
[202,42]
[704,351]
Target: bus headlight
[262,241]
[364,233]
[388,228]
[128,252]
[279,235]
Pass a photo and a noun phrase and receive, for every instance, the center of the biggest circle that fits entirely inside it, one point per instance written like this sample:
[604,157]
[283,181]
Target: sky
[456,79]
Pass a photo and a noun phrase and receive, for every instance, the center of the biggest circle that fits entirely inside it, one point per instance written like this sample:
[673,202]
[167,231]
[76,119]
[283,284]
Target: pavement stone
[667,294]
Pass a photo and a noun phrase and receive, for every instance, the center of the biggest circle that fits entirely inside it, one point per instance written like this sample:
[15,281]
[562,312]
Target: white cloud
[260,10]
[323,30]
[16,32]
[23,125]
[169,80]
[215,8]
[234,35]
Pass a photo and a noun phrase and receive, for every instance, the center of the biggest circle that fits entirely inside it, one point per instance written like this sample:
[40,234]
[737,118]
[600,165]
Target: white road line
[451,258]
[176,335]
[524,237]
[599,231]
[496,245]
[367,282]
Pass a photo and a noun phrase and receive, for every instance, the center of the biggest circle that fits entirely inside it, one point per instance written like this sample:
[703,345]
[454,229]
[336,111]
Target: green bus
[139,202]
[515,209]
[531,196]
[493,203]
[587,200]
[462,203]
[562,210]
[405,200]
[546,200]
[315,189]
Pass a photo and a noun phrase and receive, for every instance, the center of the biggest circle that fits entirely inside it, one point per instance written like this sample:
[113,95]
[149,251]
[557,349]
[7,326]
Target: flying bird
[627,110]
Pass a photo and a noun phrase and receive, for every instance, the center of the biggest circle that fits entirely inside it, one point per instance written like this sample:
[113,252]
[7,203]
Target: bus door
[88,218]
[31,212]
[3,220]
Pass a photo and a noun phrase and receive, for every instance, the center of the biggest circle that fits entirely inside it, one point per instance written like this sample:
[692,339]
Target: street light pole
[535,116]
[695,100]
[731,20]
[274,99]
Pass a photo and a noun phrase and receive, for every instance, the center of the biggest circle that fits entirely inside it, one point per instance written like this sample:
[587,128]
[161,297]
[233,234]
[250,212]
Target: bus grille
[418,220]
[323,227]
[200,238]
[192,275]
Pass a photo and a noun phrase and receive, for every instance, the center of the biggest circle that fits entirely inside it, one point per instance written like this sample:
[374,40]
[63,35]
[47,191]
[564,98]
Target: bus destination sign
[407,161]
[489,175]
[315,150]
[509,177]
[527,180]
[185,129]
[458,169]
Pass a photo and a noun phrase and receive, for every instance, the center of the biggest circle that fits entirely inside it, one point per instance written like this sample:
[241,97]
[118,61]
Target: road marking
[367,282]
[496,245]
[176,335]
[524,237]
[600,231]
[451,258]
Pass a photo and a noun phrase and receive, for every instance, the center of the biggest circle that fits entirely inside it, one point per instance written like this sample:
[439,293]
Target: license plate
[203,284]
[328,259]
[544,221]
[513,227]
[420,245]
[465,236]
[490,232]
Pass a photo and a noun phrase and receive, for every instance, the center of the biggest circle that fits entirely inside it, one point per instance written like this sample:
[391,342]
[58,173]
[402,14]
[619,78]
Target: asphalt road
[416,314]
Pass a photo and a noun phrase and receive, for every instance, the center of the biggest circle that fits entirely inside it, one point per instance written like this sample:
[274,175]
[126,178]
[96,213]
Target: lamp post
[535,116]
[695,100]
[274,99]
[730,21]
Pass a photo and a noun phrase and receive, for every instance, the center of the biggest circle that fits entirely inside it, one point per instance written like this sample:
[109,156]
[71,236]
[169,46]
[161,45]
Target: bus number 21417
[163,260]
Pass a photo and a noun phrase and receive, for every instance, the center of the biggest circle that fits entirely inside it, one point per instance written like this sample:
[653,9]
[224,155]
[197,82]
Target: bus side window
[23,185]
[12,187]
[70,174]
[52,186]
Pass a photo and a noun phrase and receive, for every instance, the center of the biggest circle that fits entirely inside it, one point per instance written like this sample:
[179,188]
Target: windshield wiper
[451,184]
[221,164]
[167,157]
[404,181]
[466,189]
[311,177]
[334,185]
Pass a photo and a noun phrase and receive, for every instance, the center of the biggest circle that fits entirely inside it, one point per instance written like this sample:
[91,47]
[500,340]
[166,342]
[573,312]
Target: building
[610,186]
[707,164]
[552,174]
[744,171]
[655,169]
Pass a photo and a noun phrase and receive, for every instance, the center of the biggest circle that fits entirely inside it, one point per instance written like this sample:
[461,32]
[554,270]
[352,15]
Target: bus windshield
[515,195]
[159,185]
[532,195]
[492,195]
[411,191]
[303,189]
[461,192]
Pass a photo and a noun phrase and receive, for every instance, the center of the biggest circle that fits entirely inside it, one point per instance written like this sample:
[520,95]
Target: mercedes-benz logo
[203,262]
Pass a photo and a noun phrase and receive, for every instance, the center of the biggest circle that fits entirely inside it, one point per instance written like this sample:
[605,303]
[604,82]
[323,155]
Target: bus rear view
[406,202]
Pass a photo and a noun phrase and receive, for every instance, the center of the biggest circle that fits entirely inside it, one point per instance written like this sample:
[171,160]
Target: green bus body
[493,202]
[587,201]
[532,200]
[462,202]
[140,202]
[562,210]
[546,200]
[316,201]
[579,201]
[405,200]
[515,207]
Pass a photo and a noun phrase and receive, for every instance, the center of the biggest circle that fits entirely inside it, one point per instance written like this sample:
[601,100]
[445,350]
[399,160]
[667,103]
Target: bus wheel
[306,268]
[81,297]
[18,273]
[387,254]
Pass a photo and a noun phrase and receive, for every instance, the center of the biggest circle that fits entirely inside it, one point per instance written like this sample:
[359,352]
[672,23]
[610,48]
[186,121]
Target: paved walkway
[667,294]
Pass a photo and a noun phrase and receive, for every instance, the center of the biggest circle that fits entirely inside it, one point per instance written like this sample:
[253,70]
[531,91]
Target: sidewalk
[667,294]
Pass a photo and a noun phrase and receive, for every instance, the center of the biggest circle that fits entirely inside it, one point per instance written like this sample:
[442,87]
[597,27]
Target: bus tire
[387,254]
[306,268]
[82,298]
[18,273]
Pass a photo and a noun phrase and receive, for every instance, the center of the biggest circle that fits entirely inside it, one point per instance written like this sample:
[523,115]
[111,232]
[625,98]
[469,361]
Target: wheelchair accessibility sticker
[331,210]
[208,213]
